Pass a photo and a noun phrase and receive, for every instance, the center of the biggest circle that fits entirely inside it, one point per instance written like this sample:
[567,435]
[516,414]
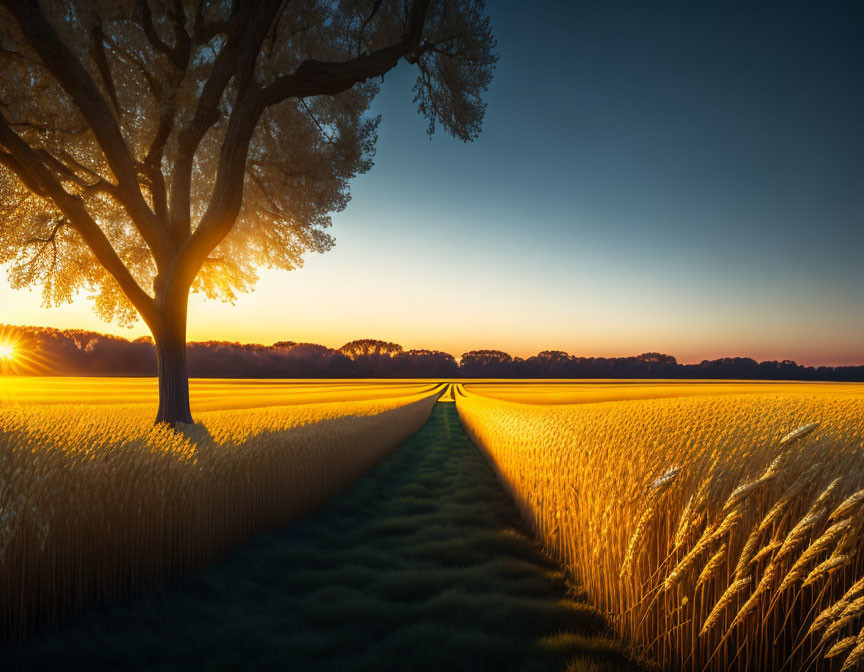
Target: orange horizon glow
[238,331]
[330,303]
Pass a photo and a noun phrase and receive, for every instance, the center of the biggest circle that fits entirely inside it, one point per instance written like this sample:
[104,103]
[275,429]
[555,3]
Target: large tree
[155,147]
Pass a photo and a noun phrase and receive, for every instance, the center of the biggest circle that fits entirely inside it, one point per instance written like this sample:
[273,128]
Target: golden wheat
[207,394]
[751,554]
[96,502]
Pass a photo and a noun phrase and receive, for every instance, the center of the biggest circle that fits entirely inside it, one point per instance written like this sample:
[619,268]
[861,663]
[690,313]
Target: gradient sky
[685,177]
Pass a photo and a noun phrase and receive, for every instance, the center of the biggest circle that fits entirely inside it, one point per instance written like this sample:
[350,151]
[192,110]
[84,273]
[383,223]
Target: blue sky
[683,177]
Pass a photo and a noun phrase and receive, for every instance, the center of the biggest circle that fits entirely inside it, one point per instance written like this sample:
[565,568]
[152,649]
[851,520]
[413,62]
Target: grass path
[423,565]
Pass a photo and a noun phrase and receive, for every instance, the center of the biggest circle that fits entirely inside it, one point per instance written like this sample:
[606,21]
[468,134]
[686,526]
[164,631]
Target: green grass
[422,565]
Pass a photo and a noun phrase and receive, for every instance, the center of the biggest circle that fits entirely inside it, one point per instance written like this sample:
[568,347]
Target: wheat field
[206,394]
[97,503]
[600,390]
[717,531]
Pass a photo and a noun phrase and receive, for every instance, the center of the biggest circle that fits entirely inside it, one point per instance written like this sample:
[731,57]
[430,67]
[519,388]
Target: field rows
[421,566]
[718,532]
[597,391]
[719,525]
[206,394]
[98,503]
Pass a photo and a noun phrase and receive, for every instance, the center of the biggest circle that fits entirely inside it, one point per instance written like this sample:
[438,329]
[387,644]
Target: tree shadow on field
[422,565]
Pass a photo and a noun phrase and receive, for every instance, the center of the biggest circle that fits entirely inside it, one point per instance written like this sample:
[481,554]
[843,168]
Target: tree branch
[81,88]
[375,8]
[248,29]
[182,42]
[320,78]
[70,160]
[311,78]
[151,166]
[52,237]
[21,57]
[153,169]
[204,31]
[30,181]
[224,205]
[30,168]
[206,114]
[63,172]
[97,53]
[121,53]
[42,242]
[179,53]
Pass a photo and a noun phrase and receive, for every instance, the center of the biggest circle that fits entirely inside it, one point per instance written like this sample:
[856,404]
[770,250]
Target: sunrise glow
[21,356]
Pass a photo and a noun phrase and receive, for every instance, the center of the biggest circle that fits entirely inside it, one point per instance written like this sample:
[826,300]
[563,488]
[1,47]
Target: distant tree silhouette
[372,358]
[309,360]
[369,346]
[657,358]
[730,367]
[152,148]
[487,363]
[426,364]
[549,364]
[553,356]
[80,352]
[312,350]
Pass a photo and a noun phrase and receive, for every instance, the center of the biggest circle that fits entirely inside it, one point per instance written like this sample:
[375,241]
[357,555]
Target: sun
[20,354]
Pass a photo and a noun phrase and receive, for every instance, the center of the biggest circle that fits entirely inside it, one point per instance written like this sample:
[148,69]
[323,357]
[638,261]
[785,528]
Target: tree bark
[173,375]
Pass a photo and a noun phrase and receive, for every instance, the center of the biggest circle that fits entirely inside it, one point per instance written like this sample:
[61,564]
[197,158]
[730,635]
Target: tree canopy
[134,133]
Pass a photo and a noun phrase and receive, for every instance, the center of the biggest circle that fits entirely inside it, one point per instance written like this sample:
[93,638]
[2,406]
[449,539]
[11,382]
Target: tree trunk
[173,374]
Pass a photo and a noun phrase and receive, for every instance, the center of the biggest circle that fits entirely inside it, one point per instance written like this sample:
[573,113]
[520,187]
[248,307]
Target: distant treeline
[76,352]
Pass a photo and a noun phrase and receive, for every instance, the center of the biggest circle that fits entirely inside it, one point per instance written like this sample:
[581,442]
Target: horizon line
[458,358]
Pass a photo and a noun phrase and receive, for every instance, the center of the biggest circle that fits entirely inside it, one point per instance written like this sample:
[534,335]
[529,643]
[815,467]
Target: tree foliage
[150,147]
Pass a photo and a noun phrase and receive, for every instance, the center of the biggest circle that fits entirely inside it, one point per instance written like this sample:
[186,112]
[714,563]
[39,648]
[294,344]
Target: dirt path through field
[423,565]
